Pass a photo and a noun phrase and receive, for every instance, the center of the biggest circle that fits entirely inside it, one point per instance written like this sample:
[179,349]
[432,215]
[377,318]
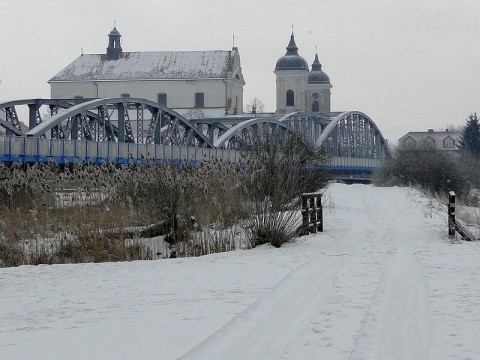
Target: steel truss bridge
[130,130]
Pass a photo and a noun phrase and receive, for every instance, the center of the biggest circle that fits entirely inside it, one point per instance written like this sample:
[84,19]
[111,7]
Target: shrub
[437,171]
[277,172]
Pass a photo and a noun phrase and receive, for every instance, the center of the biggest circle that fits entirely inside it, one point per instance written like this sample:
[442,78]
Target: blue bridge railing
[33,149]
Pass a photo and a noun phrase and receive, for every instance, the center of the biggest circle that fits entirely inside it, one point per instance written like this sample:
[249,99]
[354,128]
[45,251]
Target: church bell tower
[292,72]
[114,49]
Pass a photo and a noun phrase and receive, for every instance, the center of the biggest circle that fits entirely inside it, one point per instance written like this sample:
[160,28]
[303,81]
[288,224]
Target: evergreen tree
[470,139]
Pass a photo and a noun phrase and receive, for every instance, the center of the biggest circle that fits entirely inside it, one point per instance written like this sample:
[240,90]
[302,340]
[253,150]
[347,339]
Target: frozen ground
[382,282]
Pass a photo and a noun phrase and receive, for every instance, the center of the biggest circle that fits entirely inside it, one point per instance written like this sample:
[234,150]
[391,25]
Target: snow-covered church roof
[161,65]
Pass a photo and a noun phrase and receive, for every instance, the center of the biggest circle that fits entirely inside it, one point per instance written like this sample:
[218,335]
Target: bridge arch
[351,139]
[12,121]
[244,133]
[112,119]
[352,134]
[309,125]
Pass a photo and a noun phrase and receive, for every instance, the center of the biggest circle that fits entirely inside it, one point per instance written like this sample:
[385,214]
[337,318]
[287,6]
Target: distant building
[209,83]
[298,88]
[430,140]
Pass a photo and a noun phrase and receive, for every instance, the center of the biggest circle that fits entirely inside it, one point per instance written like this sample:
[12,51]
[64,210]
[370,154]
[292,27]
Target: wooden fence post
[319,213]
[312,214]
[451,213]
[305,217]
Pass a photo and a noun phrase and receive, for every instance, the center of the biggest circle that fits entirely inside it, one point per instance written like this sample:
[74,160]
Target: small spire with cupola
[317,75]
[114,49]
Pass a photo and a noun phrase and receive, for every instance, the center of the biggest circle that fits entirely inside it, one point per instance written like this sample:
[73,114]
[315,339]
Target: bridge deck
[31,149]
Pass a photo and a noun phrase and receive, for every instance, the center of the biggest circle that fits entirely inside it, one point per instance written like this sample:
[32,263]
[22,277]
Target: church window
[199,100]
[290,98]
[162,99]
[315,106]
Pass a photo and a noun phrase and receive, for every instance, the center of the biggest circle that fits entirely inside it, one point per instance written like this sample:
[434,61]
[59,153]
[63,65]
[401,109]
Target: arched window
[290,98]
[315,106]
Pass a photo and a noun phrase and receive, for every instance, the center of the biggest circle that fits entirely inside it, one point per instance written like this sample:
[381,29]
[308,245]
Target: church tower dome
[114,49]
[291,72]
[291,60]
[317,76]
[318,88]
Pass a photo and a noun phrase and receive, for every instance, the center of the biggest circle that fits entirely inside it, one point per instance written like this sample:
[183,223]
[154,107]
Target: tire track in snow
[399,323]
[360,305]
[266,327]
[407,332]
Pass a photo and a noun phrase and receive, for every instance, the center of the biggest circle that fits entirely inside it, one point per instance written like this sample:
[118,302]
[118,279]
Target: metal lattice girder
[10,128]
[139,109]
[242,135]
[214,128]
[34,112]
[347,134]
[86,132]
[124,128]
[128,128]
[180,130]
[156,119]
[353,134]
[34,116]
[105,125]
[56,132]
[308,125]
[11,118]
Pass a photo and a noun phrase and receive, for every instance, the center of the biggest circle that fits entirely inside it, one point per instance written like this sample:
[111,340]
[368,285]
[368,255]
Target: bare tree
[195,114]
[254,106]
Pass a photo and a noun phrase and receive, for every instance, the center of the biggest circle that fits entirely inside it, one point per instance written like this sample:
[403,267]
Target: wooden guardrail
[455,226]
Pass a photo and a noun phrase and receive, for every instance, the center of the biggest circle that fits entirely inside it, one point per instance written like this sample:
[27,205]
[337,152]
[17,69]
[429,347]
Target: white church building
[205,83]
[298,88]
[193,83]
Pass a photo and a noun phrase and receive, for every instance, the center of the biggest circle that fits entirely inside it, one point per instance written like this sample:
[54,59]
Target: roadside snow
[382,282]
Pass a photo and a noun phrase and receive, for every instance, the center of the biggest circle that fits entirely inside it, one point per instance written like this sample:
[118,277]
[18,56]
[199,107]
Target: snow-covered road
[382,282]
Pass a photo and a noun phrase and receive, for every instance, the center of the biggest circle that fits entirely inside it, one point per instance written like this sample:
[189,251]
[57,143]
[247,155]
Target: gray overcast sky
[408,64]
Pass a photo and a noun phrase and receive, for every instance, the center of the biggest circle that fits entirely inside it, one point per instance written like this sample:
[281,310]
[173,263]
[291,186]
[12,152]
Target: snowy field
[382,282]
